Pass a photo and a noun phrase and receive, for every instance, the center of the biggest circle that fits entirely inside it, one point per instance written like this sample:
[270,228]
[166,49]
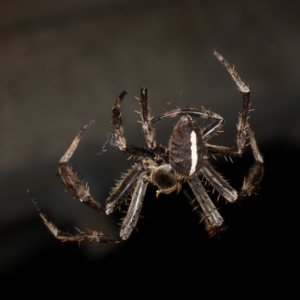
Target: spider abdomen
[186,149]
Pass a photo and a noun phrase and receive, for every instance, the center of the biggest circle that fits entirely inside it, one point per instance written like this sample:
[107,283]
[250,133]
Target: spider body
[184,160]
[187,151]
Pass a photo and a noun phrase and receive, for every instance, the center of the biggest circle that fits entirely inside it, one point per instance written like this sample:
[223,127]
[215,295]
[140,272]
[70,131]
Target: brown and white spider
[183,161]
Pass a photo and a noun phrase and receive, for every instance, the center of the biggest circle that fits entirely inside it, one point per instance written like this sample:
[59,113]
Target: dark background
[63,63]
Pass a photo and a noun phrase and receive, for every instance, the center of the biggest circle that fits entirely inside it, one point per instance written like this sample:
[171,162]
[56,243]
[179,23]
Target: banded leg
[122,189]
[119,132]
[213,221]
[242,125]
[255,175]
[135,206]
[209,131]
[251,182]
[117,122]
[70,179]
[148,130]
[92,236]
[219,183]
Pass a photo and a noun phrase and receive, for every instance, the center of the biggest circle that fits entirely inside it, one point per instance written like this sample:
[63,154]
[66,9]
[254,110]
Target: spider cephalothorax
[182,162]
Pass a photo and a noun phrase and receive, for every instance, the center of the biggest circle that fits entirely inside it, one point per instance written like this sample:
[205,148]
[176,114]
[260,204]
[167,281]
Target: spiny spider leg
[92,236]
[242,122]
[198,112]
[70,179]
[135,206]
[256,172]
[81,191]
[214,222]
[122,189]
[119,132]
[242,125]
[251,182]
[117,122]
[212,129]
[219,183]
[221,150]
[148,130]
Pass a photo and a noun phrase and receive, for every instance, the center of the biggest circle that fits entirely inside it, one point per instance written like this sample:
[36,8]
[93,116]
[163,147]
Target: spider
[184,160]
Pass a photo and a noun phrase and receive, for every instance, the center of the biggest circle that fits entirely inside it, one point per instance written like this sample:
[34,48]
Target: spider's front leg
[209,131]
[119,132]
[154,151]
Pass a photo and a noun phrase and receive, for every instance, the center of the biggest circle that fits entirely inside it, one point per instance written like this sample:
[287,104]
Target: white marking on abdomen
[194,155]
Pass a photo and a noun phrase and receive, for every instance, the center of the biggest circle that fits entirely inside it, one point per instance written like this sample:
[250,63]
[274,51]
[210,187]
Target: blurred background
[64,62]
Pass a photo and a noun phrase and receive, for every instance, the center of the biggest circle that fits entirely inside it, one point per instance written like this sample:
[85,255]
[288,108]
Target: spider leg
[122,189]
[203,113]
[256,172]
[119,132]
[219,183]
[135,206]
[137,178]
[92,236]
[251,182]
[214,223]
[117,122]
[242,125]
[148,130]
[198,112]
[70,179]
[221,150]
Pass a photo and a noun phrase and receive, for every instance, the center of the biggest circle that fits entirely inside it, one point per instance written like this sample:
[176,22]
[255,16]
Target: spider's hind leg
[70,179]
[255,175]
[92,236]
[137,180]
[123,188]
[135,207]
[251,181]
[213,221]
